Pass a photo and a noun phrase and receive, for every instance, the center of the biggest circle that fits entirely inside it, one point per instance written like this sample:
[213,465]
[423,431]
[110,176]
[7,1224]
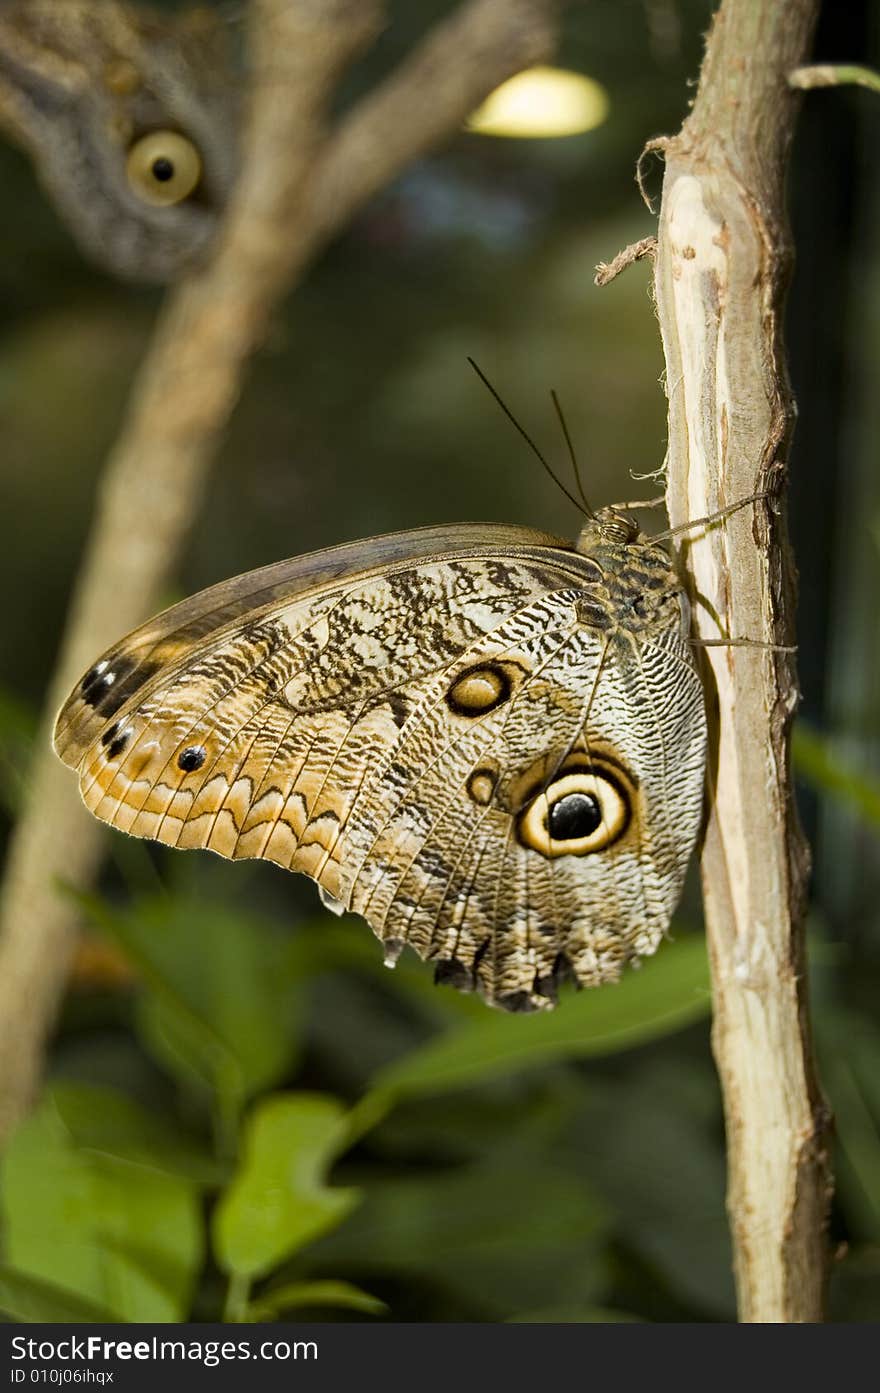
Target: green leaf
[100,1119]
[654,1150]
[849,1049]
[279,1200]
[666,993]
[857,1133]
[110,1230]
[28,1299]
[818,763]
[221,1007]
[271,1304]
[507,1234]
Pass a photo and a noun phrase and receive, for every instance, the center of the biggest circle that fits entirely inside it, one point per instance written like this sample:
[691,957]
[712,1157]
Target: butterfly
[131,119]
[487,742]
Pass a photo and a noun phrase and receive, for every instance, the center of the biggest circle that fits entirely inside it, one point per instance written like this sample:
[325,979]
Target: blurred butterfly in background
[130,118]
[487,742]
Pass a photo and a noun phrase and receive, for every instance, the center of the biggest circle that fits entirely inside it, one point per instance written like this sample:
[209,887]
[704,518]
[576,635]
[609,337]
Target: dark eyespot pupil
[193,757]
[575,815]
[163,169]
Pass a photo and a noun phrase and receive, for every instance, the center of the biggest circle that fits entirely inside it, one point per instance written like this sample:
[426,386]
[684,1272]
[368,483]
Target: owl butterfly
[130,119]
[487,742]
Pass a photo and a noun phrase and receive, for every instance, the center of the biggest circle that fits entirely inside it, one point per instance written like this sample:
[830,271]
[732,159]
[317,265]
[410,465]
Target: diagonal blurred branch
[299,185]
[430,95]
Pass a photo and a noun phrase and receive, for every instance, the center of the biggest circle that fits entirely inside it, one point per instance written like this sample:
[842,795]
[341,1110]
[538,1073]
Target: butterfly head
[641,589]
[607,526]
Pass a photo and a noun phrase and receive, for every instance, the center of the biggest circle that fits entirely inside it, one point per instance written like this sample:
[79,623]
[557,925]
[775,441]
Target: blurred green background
[245,1113]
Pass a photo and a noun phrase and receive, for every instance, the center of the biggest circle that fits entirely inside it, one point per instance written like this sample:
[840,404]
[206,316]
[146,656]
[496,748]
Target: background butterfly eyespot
[163,168]
[583,810]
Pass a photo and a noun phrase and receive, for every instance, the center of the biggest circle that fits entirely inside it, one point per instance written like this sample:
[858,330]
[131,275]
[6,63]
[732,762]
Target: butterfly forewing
[444,729]
[184,633]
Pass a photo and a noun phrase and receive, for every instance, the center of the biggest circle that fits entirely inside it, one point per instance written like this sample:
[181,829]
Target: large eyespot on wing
[584,809]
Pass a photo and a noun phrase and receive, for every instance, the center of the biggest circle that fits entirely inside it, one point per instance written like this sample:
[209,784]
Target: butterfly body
[487,743]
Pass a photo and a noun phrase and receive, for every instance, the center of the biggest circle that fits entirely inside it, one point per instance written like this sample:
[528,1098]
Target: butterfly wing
[433,728]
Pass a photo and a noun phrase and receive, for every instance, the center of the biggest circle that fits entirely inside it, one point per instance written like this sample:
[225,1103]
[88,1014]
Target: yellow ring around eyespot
[533,821]
[163,168]
[542,102]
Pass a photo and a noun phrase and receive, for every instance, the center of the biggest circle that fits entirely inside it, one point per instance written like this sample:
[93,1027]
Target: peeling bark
[722,267]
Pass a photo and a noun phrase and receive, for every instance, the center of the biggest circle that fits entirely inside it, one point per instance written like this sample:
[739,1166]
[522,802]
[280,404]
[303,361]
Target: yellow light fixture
[540,103]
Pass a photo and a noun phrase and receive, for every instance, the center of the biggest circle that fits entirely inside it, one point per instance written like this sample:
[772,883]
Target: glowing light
[541,103]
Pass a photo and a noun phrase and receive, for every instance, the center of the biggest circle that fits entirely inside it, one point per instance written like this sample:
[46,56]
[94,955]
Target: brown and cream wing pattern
[433,728]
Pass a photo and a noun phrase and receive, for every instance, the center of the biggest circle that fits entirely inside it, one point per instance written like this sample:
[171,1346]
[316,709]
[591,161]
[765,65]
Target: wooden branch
[607,271]
[299,185]
[458,64]
[835,75]
[722,267]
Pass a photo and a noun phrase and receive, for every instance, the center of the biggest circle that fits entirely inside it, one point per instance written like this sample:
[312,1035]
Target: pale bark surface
[300,183]
[722,268]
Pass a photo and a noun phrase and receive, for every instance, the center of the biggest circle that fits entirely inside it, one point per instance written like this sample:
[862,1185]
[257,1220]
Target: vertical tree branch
[722,268]
[299,184]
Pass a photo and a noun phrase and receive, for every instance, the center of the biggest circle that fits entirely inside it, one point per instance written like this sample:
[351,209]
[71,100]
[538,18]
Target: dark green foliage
[101,1195]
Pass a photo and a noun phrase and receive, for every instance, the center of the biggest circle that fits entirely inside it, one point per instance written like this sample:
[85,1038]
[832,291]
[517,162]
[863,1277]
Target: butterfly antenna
[571,454]
[526,437]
